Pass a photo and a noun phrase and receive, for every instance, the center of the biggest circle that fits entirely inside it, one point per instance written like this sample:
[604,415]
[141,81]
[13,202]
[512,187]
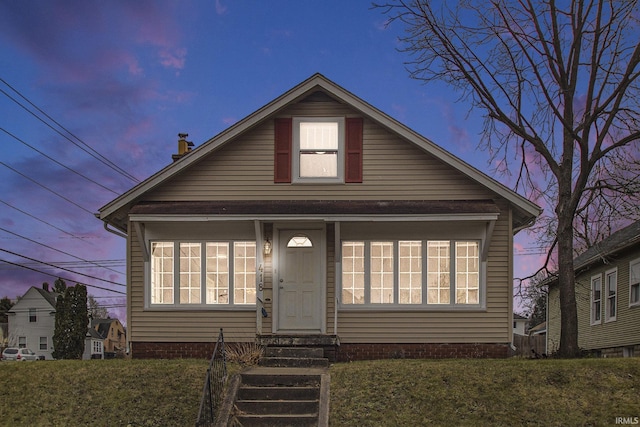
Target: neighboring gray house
[607,295]
[93,345]
[32,321]
[519,324]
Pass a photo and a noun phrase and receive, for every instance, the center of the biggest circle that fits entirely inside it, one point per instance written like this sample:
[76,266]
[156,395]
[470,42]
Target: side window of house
[22,342]
[611,304]
[33,317]
[44,343]
[634,282]
[212,273]
[596,299]
[398,272]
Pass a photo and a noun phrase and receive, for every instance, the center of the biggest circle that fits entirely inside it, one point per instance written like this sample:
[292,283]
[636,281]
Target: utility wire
[89,150]
[46,188]
[57,162]
[57,250]
[63,278]
[45,222]
[62,268]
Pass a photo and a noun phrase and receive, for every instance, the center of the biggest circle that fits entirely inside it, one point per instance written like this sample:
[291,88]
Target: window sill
[412,308]
[200,307]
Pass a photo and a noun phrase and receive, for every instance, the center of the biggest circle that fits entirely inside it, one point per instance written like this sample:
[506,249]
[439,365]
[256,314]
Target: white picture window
[634,282]
[318,149]
[611,304]
[411,272]
[596,299]
[211,273]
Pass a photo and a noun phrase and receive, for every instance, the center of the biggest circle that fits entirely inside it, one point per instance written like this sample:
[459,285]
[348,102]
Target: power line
[44,222]
[62,268]
[63,278]
[89,150]
[57,250]
[46,188]
[57,162]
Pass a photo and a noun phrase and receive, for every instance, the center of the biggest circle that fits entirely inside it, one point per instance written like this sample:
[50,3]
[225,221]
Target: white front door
[299,281]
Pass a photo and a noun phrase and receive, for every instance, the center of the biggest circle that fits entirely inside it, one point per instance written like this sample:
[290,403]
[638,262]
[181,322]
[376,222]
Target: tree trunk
[566,281]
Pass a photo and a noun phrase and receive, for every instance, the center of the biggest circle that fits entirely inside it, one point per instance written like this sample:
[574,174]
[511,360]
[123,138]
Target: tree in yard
[5,306]
[71,321]
[95,310]
[558,86]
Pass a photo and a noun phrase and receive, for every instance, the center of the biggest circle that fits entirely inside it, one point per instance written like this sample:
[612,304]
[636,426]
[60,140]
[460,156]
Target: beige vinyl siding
[180,325]
[492,325]
[624,331]
[243,170]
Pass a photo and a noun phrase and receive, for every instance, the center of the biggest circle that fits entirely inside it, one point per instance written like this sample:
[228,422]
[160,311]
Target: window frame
[45,344]
[593,301]
[296,151]
[176,288]
[633,283]
[33,315]
[424,304]
[608,317]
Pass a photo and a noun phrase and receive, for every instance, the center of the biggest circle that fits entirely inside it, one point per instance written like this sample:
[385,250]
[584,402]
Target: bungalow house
[607,294]
[112,333]
[318,219]
[32,321]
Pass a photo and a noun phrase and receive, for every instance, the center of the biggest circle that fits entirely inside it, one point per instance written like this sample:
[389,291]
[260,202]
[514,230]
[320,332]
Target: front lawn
[510,392]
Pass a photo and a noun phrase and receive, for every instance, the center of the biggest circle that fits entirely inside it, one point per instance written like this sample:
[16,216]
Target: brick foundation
[172,350]
[342,353]
[349,352]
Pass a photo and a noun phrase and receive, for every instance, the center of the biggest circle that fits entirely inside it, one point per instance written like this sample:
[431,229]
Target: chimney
[45,286]
[184,146]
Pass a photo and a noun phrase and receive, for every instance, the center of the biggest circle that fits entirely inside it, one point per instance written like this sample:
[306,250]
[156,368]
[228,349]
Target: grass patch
[586,392]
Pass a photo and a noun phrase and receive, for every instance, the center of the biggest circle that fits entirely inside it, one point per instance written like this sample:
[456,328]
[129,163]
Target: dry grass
[586,392]
[245,354]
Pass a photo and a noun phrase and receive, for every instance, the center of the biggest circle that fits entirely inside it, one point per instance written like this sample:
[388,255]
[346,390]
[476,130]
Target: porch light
[267,247]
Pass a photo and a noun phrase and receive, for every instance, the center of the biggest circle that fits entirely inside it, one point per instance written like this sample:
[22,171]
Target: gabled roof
[49,297]
[524,210]
[618,241]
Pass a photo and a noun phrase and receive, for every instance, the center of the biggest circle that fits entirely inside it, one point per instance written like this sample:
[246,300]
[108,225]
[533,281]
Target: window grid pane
[353,272]
[162,273]
[244,274]
[217,273]
[634,282]
[381,272]
[438,272]
[596,295]
[612,279]
[410,272]
[190,273]
[467,273]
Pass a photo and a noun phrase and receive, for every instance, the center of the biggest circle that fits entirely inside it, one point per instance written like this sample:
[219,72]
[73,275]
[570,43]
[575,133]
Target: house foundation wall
[350,352]
[622,351]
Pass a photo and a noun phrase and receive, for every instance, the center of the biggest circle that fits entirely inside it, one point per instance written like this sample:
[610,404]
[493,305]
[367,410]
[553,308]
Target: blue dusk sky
[94,94]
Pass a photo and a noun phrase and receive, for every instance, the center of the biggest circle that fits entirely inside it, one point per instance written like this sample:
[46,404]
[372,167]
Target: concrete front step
[300,352]
[308,420]
[294,362]
[278,393]
[276,379]
[277,407]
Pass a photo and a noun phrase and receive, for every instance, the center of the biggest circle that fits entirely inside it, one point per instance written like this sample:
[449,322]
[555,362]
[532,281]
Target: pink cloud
[173,58]
[220,8]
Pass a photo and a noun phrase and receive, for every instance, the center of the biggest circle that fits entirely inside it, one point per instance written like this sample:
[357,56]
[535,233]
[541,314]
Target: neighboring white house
[32,321]
[519,324]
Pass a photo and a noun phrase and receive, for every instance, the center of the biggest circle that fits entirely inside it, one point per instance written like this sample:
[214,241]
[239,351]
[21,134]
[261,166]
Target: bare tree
[558,87]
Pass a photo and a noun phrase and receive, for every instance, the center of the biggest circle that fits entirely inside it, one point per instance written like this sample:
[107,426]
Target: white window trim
[295,155]
[607,317]
[592,301]
[177,306]
[631,303]
[424,306]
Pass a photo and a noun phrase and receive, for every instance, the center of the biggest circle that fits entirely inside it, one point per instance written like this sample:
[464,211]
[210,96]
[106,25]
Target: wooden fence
[524,345]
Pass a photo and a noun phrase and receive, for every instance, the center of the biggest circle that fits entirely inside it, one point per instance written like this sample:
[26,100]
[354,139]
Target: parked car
[19,354]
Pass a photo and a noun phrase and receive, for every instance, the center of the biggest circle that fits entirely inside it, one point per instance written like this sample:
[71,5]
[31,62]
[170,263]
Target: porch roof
[317,208]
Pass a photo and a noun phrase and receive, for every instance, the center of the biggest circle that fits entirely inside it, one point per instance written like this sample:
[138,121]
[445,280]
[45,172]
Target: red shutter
[282,144]
[353,150]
